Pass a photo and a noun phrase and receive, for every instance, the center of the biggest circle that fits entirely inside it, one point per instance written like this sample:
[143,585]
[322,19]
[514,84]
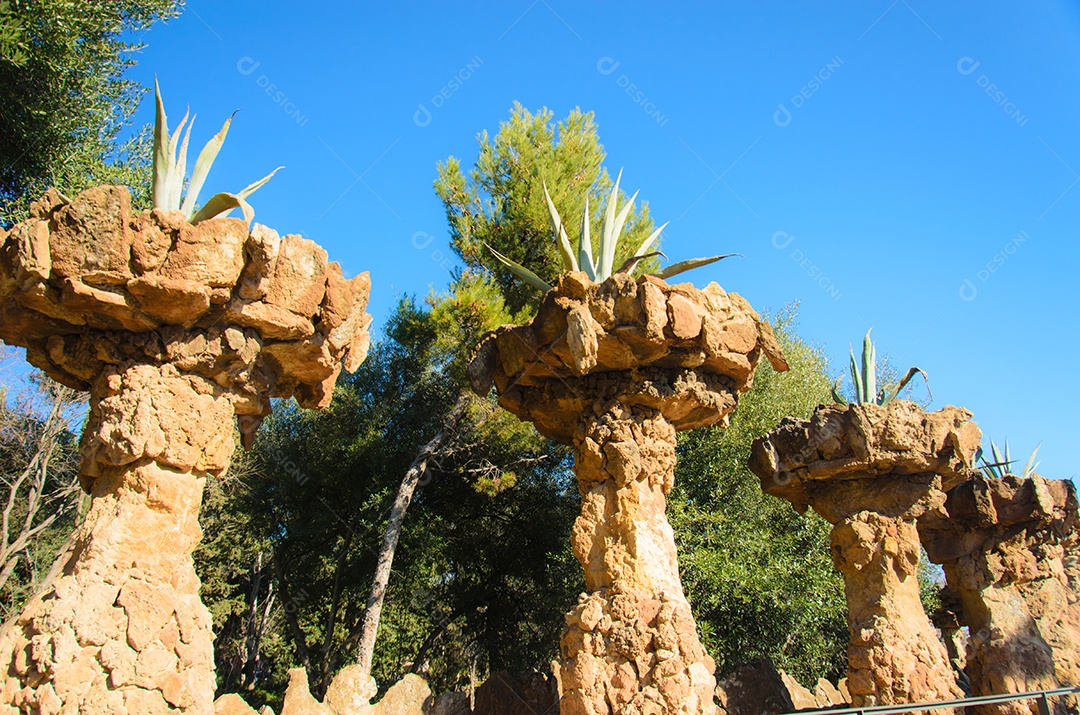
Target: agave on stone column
[872,468]
[177,322]
[614,365]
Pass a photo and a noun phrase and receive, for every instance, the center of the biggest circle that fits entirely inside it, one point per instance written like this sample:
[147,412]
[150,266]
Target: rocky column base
[634,652]
[895,655]
[631,644]
[122,630]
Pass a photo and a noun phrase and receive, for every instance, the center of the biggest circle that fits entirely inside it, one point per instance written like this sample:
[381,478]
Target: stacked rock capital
[176,330]
[615,369]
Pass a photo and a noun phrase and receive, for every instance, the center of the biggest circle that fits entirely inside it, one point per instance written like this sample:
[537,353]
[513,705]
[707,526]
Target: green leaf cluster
[66,103]
[1000,463]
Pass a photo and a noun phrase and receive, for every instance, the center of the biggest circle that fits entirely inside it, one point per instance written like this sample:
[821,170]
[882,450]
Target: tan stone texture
[348,694]
[233,704]
[1010,551]
[614,369]
[872,471]
[138,309]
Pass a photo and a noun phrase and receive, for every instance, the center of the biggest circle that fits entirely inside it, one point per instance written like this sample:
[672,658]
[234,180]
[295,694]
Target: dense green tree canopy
[66,100]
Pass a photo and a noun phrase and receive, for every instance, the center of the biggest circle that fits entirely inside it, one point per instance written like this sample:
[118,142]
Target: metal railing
[1043,697]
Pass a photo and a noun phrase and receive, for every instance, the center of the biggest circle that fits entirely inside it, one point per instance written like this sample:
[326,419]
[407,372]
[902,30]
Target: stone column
[631,644]
[614,369]
[123,629]
[872,471]
[176,330]
[1009,550]
[895,655]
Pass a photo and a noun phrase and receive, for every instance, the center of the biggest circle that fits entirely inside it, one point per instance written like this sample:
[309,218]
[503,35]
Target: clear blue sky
[906,165]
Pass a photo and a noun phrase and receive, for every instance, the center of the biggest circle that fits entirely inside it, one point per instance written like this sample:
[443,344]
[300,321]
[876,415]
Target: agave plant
[999,467]
[169,167]
[865,379]
[600,268]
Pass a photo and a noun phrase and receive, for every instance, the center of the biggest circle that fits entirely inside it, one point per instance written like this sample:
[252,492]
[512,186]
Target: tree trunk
[393,531]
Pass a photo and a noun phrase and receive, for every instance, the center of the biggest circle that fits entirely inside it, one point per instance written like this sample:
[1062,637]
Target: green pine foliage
[501,203]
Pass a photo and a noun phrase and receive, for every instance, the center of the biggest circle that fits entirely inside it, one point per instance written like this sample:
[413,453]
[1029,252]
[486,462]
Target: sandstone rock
[801,697]
[1010,549]
[232,704]
[348,695]
[405,697]
[350,692]
[826,694]
[614,369]
[559,344]
[127,277]
[872,471]
[298,698]
[137,309]
[90,238]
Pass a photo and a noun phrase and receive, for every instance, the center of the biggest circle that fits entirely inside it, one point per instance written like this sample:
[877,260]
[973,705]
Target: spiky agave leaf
[648,242]
[1031,463]
[174,178]
[837,397]
[566,250]
[683,266]
[585,259]
[521,271]
[1002,461]
[219,205]
[202,166]
[162,163]
[869,370]
[629,263]
[608,237]
[225,202]
[856,376]
[889,392]
[624,213]
[176,185]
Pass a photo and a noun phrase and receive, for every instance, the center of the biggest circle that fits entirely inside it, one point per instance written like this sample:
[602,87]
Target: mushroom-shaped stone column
[1010,549]
[614,369]
[176,330]
[871,471]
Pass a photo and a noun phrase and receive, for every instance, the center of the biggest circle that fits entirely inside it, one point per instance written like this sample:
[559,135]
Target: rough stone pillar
[872,471]
[123,629]
[615,369]
[177,330]
[895,654]
[631,642]
[1009,548]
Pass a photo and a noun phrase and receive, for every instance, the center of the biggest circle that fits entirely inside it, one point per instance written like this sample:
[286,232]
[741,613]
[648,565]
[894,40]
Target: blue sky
[903,165]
